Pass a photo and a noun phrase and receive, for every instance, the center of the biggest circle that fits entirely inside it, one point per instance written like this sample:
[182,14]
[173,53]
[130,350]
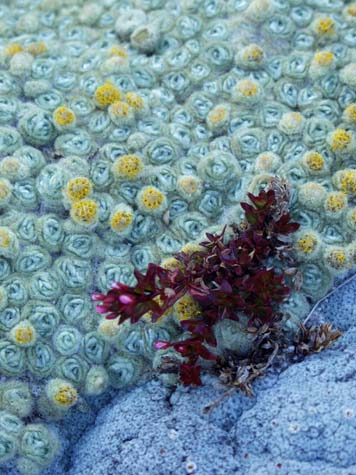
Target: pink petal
[126,299]
[159,345]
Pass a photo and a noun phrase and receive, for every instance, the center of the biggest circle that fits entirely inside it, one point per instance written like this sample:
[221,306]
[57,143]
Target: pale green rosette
[49,100]
[80,245]
[333,234]
[41,359]
[218,169]
[45,285]
[77,142]
[10,424]
[326,109]
[50,232]
[330,85]
[65,80]
[190,225]
[120,252]
[32,259]
[99,124]
[211,203]
[106,205]
[218,56]
[75,166]
[9,317]
[308,96]
[126,190]
[43,68]
[8,109]
[271,113]
[43,316]
[81,106]
[295,310]
[17,290]
[25,194]
[8,446]
[36,127]
[73,368]
[198,71]
[177,206]
[163,177]
[67,340]
[12,359]
[10,140]
[308,218]
[100,174]
[89,83]
[316,130]
[161,151]
[75,273]
[248,142]
[95,349]
[16,398]
[143,254]
[317,280]
[233,335]
[112,151]
[8,83]
[33,157]
[75,308]
[50,183]
[287,93]
[169,243]
[34,88]
[129,339]
[109,273]
[124,371]
[39,445]
[144,227]
[296,65]
[199,105]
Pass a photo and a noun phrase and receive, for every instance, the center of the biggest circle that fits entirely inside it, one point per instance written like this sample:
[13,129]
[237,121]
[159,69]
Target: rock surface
[300,422]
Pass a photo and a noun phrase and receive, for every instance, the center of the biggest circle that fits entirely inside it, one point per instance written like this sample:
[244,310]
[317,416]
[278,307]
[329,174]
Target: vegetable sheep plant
[230,274]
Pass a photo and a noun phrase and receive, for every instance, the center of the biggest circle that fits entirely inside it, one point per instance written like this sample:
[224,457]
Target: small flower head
[171,263]
[323,59]
[37,48]
[307,244]
[108,329]
[121,219]
[218,116]
[128,167]
[5,191]
[324,27]
[311,195]
[247,91]
[63,116]
[8,242]
[350,113]
[336,258]
[345,181]
[186,308]
[151,200]
[313,162]
[291,123]
[61,393]
[14,168]
[267,162]
[253,54]
[12,48]
[23,334]
[341,141]
[117,50]
[107,94]
[335,203]
[84,211]
[189,186]
[191,247]
[135,101]
[78,188]
[121,113]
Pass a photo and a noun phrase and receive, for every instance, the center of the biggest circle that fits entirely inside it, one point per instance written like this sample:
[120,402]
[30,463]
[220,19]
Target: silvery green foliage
[215,88]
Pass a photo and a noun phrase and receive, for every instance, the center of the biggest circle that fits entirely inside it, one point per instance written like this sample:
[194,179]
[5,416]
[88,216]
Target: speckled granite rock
[303,421]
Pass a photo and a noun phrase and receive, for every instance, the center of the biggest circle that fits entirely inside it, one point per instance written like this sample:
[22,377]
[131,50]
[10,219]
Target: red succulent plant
[227,277]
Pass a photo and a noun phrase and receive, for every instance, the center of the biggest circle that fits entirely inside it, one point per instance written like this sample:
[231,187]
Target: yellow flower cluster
[350,113]
[253,53]
[336,201]
[63,116]
[314,161]
[306,244]
[121,220]
[65,396]
[84,211]
[12,48]
[325,27]
[151,199]
[134,100]
[186,308]
[5,237]
[247,87]
[23,334]
[128,167]
[37,48]
[107,94]
[340,140]
[78,188]
[348,181]
[117,50]
[323,58]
